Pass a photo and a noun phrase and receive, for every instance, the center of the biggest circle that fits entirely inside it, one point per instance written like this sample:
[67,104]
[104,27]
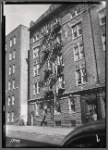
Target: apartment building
[67,65]
[16,83]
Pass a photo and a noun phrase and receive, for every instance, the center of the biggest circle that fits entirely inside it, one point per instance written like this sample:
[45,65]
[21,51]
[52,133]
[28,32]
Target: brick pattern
[22,42]
[91,37]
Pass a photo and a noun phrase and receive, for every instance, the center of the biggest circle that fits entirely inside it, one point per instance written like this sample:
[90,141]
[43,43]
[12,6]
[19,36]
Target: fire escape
[52,53]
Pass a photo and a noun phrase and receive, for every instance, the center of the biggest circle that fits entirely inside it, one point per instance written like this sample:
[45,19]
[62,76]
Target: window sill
[77,37]
[72,112]
[79,59]
[81,84]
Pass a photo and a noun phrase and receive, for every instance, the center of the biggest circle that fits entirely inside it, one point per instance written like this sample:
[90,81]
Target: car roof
[84,129]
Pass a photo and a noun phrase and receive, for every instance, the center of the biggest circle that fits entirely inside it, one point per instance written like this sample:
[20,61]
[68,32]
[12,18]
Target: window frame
[10,70]
[13,100]
[36,52]
[10,42]
[69,103]
[8,117]
[78,52]
[9,85]
[12,117]
[77,30]
[10,56]
[13,54]
[13,68]
[9,101]
[13,84]
[101,16]
[81,74]
[14,40]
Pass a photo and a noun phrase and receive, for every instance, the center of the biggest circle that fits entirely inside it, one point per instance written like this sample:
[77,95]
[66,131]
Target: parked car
[90,135]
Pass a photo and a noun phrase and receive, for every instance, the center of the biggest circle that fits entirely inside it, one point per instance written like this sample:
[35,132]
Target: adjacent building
[67,65]
[16,83]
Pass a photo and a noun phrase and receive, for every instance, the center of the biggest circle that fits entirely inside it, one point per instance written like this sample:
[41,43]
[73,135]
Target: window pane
[84,79]
[14,40]
[13,54]
[76,51]
[78,76]
[81,51]
[79,29]
[74,32]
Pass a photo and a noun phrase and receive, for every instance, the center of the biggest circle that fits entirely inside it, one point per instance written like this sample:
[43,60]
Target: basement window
[58,123]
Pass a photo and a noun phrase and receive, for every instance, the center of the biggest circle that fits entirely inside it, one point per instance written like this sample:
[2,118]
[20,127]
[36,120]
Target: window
[79,52]
[36,89]
[36,70]
[13,84]
[13,68]
[10,42]
[102,16]
[8,117]
[13,100]
[14,54]
[78,77]
[14,40]
[58,108]
[61,82]
[36,52]
[9,85]
[10,56]
[35,38]
[104,41]
[71,104]
[12,117]
[81,75]
[37,109]
[10,70]
[76,30]
[9,101]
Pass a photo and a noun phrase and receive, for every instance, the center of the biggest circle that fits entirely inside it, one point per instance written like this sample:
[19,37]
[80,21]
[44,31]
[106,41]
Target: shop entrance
[89,109]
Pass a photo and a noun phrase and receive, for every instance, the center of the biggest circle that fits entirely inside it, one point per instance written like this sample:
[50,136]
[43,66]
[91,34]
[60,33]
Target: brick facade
[20,76]
[94,61]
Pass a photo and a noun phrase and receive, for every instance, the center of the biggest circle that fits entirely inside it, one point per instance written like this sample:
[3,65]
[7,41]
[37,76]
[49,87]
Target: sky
[22,14]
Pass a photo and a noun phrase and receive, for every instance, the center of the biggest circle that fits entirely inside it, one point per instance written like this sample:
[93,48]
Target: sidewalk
[37,133]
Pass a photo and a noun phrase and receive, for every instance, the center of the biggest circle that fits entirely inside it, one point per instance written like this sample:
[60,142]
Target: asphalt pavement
[53,135]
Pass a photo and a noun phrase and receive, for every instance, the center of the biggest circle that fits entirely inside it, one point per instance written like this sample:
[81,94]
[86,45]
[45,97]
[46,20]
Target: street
[30,136]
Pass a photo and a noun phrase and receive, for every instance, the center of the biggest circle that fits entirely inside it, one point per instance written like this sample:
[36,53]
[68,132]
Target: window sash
[8,117]
[13,68]
[12,117]
[9,101]
[14,54]
[10,69]
[78,77]
[10,56]
[13,84]
[13,100]
[14,40]
[10,42]
[81,51]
